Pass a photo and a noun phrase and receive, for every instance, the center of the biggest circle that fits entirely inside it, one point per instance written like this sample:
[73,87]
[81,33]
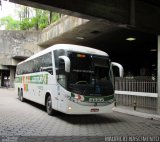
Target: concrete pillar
[12,75]
[2,78]
[158,77]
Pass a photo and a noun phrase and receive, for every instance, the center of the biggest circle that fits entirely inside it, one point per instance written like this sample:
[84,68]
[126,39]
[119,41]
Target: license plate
[98,100]
[95,110]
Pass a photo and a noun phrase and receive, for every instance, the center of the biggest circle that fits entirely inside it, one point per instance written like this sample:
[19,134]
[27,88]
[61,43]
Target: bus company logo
[39,79]
[93,100]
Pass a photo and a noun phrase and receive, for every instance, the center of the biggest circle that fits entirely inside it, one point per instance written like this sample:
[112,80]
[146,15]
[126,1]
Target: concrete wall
[12,45]
[66,24]
[15,46]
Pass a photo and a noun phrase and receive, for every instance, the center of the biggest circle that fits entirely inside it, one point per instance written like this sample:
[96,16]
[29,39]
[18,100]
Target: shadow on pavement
[80,119]
[36,105]
[88,119]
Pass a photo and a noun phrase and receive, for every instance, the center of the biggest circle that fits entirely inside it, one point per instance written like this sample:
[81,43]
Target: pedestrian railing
[139,93]
[136,84]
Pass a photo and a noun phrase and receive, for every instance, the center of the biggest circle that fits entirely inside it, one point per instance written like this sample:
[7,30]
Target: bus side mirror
[66,63]
[121,70]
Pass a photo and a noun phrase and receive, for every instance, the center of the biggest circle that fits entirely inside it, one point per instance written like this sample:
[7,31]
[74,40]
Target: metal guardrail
[139,93]
[136,84]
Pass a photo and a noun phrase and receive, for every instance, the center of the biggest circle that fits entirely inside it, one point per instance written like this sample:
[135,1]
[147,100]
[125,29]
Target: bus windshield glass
[90,75]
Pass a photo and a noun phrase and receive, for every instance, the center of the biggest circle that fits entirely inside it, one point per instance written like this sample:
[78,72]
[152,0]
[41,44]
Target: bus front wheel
[49,105]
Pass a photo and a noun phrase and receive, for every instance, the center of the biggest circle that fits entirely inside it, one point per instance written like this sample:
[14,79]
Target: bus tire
[21,96]
[18,93]
[49,105]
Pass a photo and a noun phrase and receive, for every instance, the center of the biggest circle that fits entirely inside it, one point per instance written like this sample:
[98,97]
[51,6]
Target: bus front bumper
[75,108]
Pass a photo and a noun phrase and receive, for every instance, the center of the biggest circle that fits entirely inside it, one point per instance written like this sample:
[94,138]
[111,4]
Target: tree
[41,19]
[9,23]
[25,24]
[29,18]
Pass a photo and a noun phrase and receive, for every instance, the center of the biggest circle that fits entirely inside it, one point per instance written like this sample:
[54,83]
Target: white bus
[68,78]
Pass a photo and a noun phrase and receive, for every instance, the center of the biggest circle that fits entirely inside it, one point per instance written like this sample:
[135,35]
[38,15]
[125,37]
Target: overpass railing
[138,93]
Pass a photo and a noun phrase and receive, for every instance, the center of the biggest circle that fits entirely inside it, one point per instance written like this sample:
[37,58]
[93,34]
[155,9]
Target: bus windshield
[90,75]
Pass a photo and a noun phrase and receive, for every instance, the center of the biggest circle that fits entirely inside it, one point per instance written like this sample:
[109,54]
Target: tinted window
[41,63]
[59,64]
[58,53]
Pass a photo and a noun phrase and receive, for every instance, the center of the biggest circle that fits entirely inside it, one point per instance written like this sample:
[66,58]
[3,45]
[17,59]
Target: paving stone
[28,119]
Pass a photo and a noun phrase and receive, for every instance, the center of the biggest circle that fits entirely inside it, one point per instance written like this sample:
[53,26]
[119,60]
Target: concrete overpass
[139,14]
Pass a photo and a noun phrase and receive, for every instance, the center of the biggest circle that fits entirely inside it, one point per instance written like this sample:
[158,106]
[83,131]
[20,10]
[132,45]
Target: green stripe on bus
[34,79]
[90,98]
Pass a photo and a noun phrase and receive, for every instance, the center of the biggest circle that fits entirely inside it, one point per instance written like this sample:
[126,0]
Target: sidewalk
[130,111]
[9,88]
[5,90]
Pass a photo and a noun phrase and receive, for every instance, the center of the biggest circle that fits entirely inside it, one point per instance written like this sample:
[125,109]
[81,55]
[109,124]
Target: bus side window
[46,63]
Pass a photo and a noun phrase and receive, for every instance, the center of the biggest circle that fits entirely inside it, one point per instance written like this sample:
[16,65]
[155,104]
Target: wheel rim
[49,104]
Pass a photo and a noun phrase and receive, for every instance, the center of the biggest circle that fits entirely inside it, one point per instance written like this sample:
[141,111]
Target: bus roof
[68,47]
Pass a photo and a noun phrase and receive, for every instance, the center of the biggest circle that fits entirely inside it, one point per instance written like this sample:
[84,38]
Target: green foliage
[25,24]
[9,23]
[55,17]
[40,20]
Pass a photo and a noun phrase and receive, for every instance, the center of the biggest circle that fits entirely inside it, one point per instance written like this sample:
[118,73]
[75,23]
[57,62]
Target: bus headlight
[69,108]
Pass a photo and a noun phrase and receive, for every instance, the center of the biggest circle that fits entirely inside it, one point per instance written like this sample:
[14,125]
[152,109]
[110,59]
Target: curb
[136,113]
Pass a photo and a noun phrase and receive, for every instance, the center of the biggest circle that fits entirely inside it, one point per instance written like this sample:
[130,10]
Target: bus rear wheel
[21,96]
[49,105]
[19,93]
